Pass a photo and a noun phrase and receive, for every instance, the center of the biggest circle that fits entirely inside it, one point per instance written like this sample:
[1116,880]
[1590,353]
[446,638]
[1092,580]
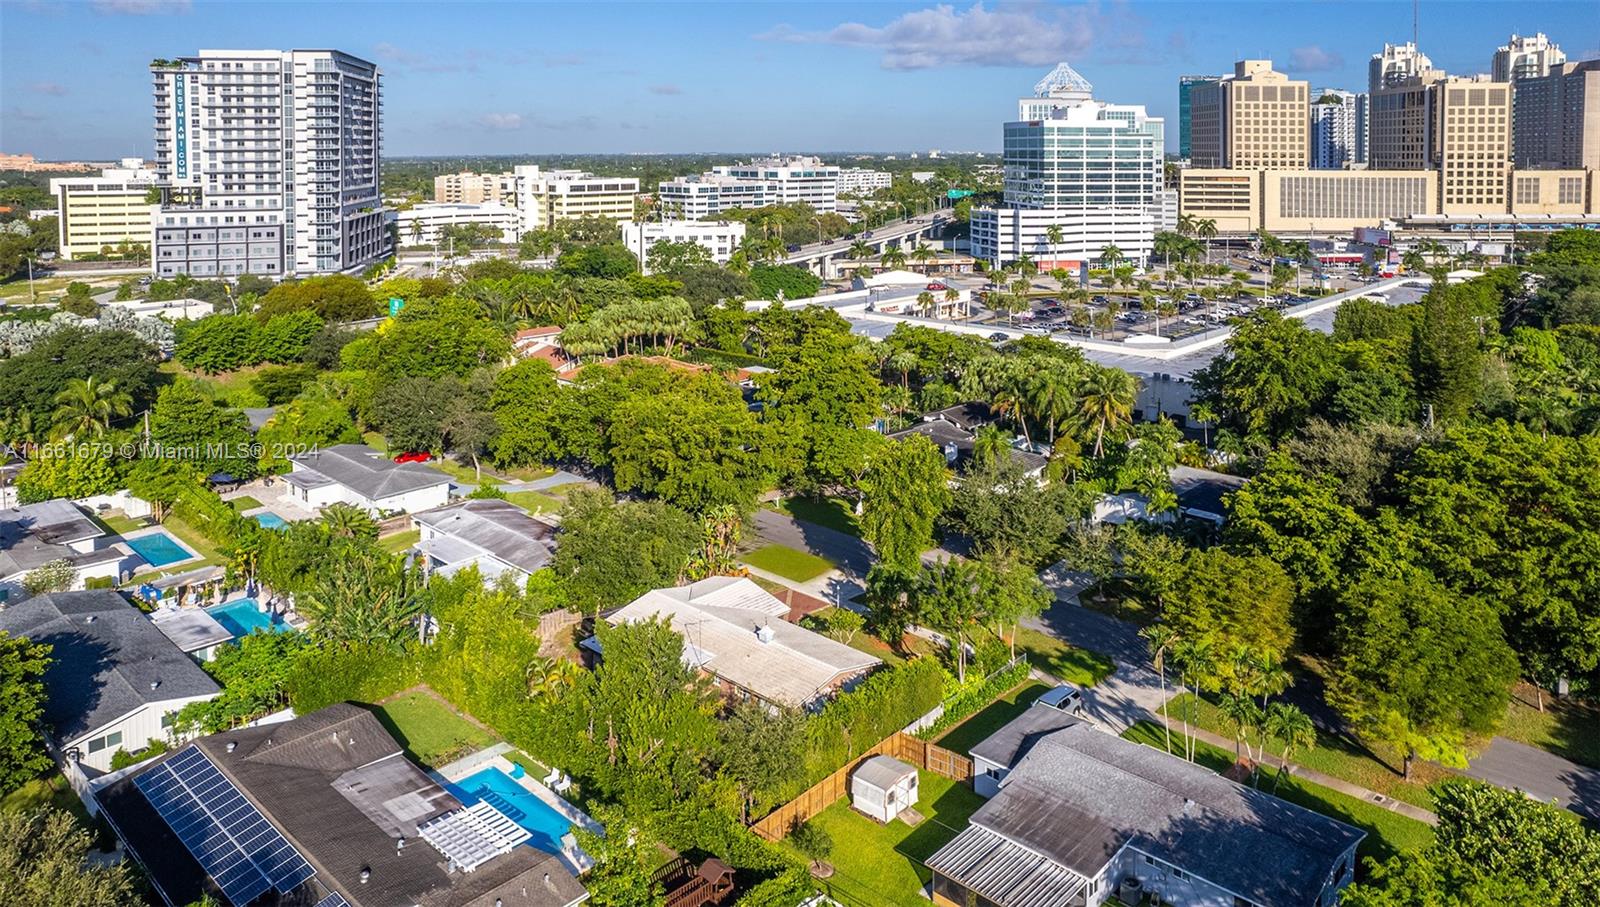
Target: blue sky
[508,78]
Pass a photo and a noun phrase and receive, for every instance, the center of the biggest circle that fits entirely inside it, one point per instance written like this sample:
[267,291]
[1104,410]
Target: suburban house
[1078,815]
[33,535]
[734,631]
[495,536]
[543,343]
[955,431]
[1200,494]
[114,682]
[357,474]
[323,809]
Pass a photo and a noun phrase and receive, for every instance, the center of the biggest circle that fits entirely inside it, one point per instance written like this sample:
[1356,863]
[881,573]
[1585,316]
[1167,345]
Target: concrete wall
[137,729]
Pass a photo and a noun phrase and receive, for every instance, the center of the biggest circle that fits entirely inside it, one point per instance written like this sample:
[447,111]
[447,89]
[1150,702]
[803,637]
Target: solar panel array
[333,900]
[227,835]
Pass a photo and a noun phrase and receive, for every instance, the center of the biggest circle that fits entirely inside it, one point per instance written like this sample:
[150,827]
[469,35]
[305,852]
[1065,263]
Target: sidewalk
[1299,771]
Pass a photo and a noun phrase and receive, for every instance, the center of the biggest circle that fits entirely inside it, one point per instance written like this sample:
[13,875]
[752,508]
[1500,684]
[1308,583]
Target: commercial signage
[180,125]
[395,305]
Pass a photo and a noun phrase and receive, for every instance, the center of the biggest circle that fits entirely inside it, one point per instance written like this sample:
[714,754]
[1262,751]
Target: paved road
[1544,775]
[1133,691]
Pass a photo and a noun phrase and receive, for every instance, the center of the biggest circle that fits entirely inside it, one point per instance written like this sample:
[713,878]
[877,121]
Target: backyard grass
[235,387]
[244,502]
[834,513]
[46,790]
[428,730]
[996,715]
[1337,756]
[1072,664]
[789,563]
[1388,833]
[400,541]
[376,441]
[882,864]
[196,542]
[1566,728]
[534,501]
[120,523]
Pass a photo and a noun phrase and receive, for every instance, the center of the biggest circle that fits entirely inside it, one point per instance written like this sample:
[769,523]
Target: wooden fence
[774,826]
[553,622]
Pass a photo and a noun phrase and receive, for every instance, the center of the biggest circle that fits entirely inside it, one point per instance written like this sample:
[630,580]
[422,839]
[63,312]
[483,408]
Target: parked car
[999,337]
[414,456]
[936,285]
[849,236]
[1066,697]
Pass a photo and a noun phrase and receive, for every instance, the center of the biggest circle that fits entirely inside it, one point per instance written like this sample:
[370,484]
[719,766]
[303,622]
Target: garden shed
[882,787]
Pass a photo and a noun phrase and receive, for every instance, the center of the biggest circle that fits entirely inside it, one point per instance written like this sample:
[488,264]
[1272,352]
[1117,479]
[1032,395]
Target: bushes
[322,677]
[222,343]
[888,701]
[975,697]
[121,759]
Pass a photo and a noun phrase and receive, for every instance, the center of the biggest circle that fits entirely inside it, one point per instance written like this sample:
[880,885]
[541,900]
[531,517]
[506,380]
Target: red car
[415,456]
[936,286]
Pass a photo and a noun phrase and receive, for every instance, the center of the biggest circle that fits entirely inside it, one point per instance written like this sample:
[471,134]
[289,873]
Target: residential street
[1133,691]
[1541,774]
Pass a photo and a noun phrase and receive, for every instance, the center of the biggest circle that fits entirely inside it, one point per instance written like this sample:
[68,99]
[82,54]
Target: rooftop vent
[154,684]
[89,619]
[232,744]
[366,873]
[765,634]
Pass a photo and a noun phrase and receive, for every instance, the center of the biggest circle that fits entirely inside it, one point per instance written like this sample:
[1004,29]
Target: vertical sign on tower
[180,126]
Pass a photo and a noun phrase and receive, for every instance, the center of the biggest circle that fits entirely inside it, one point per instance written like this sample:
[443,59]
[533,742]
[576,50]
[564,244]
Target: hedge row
[975,697]
[852,723]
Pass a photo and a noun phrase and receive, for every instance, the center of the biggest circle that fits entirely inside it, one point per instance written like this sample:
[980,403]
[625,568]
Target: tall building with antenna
[1394,64]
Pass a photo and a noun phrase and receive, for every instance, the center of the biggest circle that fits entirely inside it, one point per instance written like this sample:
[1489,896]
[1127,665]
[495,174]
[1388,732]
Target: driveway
[1133,691]
[850,554]
[1542,774]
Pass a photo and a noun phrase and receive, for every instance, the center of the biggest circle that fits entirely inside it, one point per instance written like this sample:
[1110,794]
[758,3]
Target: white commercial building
[267,163]
[1338,129]
[861,181]
[1090,169]
[720,238]
[111,209]
[422,224]
[765,181]
[1394,64]
[547,197]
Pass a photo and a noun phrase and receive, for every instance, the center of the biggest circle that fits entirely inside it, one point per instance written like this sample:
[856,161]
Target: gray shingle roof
[36,534]
[338,786]
[1011,742]
[106,657]
[494,527]
[1080,794]
[365,471]
[948,435]
[1202,489]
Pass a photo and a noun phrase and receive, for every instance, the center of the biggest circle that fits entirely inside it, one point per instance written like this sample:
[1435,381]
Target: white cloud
[501,122]
[53,89]
[945,36]
[1313,58]
[665,89]
[140,7]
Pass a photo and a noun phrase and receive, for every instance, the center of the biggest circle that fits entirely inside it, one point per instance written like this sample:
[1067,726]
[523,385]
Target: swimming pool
[243,616]
[270,520]
[158,548]
[495,787]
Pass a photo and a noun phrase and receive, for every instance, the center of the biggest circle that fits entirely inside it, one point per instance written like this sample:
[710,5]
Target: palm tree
[989,446]
[860,250]
[1105,401]
[903,361]
[16,429]
[86,407]
[893,257]
[1206,229]
[1195,662]
[1050,393]
[925,303]
[1025,265]
[1268,676]
[922,253]
[1053,235]
[952,296]
[1166,308]
[1294,730]
[1186,224]
[416,232]
[349,521]
[1160,638]
[1110,255]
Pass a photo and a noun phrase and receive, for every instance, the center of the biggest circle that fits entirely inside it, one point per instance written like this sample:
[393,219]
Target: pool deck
[194,556]
[494,757]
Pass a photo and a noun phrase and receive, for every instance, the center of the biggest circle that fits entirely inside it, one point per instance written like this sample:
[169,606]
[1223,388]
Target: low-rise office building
[424,224]
[96,213]
[547,197]
[861,181]
[720,239]
[470,188]
[765,181]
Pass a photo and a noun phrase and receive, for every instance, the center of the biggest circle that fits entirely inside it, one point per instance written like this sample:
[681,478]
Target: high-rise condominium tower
[1255,118]
[267,163]
[1338,129]
[1525,56]
[1186,86]
[1394,64]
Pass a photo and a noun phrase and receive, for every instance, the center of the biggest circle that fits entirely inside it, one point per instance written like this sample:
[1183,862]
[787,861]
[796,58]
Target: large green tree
[611,553]
[697,446]
[22,697]
[44,862]
[1275,373]
[903,493]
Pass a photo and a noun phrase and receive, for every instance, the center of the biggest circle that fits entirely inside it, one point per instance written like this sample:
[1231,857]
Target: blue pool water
[520,806]
[159,549]
[270,520]
[243,616]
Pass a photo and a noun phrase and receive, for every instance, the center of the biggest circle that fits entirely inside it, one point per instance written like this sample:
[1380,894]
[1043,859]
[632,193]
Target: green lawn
[244,502]
[375,440]
[1072,664]
[789,563]
[191,536]
[534,501]
[429,731]
[882,864]
[1566,728]
[119,524]
[1388,833]
[996,715]
[46,790]
[400,541]
[834,513]
[1337,757]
